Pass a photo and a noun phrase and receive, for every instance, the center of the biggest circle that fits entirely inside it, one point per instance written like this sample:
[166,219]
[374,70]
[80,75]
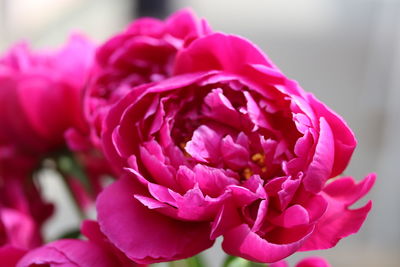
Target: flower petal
[144,235]
[242,242]
[339,221]
[69,252]
[321,165]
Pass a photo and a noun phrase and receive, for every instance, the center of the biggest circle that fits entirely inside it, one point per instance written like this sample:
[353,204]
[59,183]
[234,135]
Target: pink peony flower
[18,234]
[96,251]
[227,147]
[307,262]
[144,52]
[17,189]
[18,229]
[40,94]
[313,262]
[69,252]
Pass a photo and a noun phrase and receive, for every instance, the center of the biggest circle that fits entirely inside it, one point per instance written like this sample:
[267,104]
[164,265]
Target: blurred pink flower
[40,96]
[307,262]
[144,52]
[18,234]
[227,146]
[69,252]
[17,188]
[96,251]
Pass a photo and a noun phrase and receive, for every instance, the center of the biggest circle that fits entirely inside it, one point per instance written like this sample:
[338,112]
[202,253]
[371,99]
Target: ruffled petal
[339,221]
[218,51]
[242,242]
[145,235]
[321,165]
[69,252]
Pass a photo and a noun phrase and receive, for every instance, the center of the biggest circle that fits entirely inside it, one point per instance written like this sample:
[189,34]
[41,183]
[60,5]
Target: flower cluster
[202,135]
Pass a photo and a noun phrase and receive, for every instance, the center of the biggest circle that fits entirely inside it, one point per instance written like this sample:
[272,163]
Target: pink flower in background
[17,188]
[144,52]
[307,262]
[40,94]
[18,234]
[313,262]
[18,229]
[96,251]
[69,252]
[226,147]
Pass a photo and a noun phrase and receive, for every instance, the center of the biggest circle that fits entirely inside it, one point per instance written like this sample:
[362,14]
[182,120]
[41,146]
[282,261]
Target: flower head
[227,146]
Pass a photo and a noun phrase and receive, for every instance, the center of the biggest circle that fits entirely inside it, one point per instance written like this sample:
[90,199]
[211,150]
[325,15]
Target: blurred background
[347,52]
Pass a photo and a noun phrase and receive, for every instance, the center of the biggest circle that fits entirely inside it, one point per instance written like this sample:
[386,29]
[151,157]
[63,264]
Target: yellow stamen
[259,159]
[247,173]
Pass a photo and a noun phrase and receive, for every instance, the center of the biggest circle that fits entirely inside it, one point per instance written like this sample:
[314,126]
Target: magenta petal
[261,213]
[212,181]
[158,170]
[69,252]
[347,190]
[313,262]
[20,228]
[242,242]
[185,178]
[218,107]
[183,24]
[144,235]
[345,141]
[234,155]
[293,216]
[321,165]
[227,218]
[194,206]
[91,230]
[289,188]
[204,145]
[9,256]
[339,221]
[219,52]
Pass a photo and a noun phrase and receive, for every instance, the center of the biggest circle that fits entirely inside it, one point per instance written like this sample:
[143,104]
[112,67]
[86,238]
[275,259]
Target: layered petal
[152,237]
[339,220]
[242,242]
[68,252]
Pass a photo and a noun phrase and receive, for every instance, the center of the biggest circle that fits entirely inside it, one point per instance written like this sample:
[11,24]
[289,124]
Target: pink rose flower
[40,94]
[227,147]
[144,52]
